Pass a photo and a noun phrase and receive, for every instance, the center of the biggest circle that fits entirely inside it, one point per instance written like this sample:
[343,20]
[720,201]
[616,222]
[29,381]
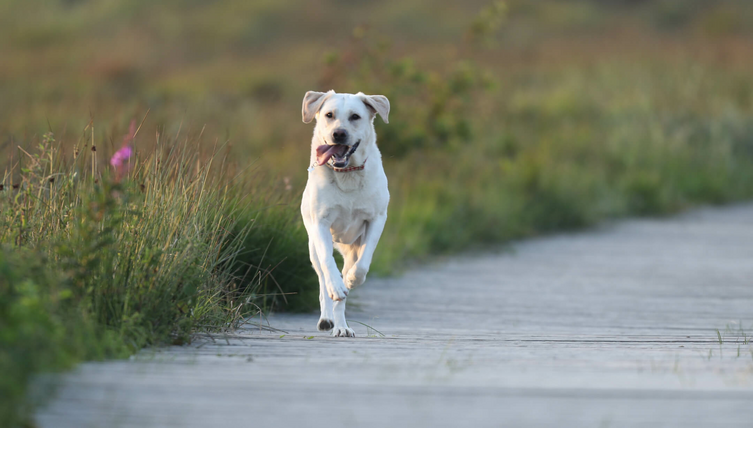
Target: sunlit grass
[100,260]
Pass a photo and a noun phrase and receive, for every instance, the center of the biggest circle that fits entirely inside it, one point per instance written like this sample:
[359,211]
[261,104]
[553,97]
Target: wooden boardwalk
[612,327]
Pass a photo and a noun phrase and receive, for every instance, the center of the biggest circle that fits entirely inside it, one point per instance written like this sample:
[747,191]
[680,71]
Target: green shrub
[41,329]
[30,334]
[429,110]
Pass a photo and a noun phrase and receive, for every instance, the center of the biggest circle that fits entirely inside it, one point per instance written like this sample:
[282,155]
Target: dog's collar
[348,169]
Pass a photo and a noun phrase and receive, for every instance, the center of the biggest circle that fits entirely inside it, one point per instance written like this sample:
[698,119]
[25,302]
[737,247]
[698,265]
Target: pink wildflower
[120,160]
[120,157]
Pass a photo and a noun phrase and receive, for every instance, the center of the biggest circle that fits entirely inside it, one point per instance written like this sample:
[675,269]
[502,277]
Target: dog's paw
[355,277]
[343,332]
[336,289]
[325,324]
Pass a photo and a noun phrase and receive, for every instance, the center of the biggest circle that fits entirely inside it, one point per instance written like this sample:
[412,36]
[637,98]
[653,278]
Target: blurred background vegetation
[509,119]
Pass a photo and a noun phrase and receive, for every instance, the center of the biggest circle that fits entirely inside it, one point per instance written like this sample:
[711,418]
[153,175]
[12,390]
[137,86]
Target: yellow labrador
[345,200]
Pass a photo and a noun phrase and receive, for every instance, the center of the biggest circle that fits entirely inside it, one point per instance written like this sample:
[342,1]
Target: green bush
[429,110]
[30,334]
[41,329]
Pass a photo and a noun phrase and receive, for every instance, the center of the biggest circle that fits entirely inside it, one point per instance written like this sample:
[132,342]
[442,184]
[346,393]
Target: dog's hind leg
[356,275]
[325,303]
[350,255]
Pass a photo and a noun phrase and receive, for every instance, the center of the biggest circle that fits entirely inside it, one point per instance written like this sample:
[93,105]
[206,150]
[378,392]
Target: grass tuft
[97,264]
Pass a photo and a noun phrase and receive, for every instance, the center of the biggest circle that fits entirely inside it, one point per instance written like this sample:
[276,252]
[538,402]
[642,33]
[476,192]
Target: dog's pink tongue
[324,153]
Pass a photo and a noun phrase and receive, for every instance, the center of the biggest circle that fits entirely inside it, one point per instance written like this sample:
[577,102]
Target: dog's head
[343,122]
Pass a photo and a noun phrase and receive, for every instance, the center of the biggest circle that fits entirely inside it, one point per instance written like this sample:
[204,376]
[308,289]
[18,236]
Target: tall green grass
[98,264]
[274,247]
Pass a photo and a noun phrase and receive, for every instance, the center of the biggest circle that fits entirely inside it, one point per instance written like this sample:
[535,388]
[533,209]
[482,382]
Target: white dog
[346,196]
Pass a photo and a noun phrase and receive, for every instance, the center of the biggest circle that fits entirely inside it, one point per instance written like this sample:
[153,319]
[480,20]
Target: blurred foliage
[31,337]
[41,330]
[433,110]
[487,23]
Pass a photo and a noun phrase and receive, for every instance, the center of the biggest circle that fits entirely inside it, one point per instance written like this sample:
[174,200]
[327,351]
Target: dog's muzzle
[337,155]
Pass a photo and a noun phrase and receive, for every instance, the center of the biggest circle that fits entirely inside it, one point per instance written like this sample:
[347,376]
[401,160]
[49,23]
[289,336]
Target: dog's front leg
[323,242]
[335,287]
[325,303]
[357,274]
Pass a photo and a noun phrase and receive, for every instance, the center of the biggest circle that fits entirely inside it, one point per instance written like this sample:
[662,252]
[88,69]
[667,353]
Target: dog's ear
[312,101]
[377,103]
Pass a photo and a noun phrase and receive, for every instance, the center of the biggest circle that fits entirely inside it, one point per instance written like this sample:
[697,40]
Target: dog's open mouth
[337,155]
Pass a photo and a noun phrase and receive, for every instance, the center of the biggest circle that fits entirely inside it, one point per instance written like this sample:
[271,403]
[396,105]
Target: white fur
[344,210]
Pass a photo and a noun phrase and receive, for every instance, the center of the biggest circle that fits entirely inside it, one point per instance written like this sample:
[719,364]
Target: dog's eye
[355,117]
[329,115]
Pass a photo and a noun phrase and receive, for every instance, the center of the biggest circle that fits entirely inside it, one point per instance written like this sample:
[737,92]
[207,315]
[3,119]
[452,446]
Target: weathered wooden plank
[613,327]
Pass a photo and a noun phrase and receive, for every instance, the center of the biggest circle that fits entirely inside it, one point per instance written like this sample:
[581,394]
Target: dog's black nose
[340,136]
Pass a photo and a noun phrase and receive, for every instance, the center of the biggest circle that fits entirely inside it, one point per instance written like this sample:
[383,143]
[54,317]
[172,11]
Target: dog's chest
[349,225]
[349,182]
